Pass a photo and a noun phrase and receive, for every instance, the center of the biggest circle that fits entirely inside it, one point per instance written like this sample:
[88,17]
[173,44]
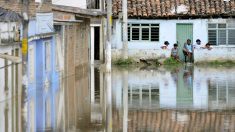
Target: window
[47,56]
[93,4]
[97,4]
[221,33]
[143,32]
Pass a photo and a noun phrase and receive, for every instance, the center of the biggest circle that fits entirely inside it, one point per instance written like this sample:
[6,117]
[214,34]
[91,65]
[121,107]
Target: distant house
[9,69]
[150,23]
[43,76]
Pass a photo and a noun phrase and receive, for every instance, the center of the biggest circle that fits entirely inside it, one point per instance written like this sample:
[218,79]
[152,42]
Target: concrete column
[108,101]
[125,101]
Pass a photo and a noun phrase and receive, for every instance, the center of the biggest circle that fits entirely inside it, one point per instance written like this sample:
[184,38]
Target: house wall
[43,6]
[74,40]
[9,32]
[43,82]
[43,85]
[4,69]
[167,33]
[11,76]
[17,6]
[152,50]
[73,3]
[9,86]
[217,53]
[44,23]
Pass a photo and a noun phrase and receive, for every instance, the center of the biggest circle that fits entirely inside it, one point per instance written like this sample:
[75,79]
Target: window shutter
[135,33]
[129,33]
[145,33]
[231,37]
[154,34]
[222,37]
[212,37]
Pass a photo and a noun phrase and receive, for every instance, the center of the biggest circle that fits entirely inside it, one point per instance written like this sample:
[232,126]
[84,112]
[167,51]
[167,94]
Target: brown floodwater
[163,99]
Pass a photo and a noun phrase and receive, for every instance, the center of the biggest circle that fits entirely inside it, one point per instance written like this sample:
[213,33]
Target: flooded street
[186,98]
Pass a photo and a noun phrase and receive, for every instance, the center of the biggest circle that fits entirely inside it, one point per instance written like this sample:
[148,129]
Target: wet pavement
[186,98]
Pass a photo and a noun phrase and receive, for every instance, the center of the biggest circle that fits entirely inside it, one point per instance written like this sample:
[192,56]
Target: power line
[10,65]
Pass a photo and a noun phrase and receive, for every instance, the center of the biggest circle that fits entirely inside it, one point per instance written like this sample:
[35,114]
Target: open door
[97,43]
[184,31]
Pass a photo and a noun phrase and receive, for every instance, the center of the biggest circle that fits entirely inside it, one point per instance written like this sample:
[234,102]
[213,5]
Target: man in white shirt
[198,44]
[188,50]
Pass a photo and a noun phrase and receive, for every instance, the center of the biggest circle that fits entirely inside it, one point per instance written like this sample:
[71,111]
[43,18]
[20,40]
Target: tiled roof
[176,121]
[175,8]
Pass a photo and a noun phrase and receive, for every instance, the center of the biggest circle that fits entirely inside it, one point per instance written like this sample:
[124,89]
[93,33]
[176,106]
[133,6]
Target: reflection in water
[165,99]
[175,99]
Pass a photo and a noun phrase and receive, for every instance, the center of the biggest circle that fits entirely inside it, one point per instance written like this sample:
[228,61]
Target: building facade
[43,76]
[10,69]
[97,38]
[176,21]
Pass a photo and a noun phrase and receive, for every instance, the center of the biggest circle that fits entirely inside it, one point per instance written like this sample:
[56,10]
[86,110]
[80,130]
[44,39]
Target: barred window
[143,32]
[221,33]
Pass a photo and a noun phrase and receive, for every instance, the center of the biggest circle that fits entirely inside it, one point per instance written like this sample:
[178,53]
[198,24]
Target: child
[174,52]
[166,43]
[208,46]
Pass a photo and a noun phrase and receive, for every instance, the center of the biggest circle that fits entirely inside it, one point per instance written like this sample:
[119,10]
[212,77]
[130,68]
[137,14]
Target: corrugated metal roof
[8,15]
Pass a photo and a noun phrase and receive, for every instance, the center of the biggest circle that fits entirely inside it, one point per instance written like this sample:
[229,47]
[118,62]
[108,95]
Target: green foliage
[124,62]
[171,61]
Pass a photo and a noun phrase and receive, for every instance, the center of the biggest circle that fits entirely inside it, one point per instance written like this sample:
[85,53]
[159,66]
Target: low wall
[140,53]
[201,55]
[216,53]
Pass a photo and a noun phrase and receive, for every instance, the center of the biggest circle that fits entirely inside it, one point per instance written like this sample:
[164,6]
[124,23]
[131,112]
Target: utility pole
[108,38]
[107,73]
[124,29]
[125,101]
[24,49]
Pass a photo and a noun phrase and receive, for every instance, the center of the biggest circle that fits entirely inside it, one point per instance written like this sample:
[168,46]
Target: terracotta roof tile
[175,8]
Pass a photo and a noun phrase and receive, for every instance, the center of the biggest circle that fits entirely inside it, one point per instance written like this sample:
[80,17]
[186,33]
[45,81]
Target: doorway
[184,31]
[97,43]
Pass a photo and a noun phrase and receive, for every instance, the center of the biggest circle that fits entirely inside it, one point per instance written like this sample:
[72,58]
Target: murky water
[167,99]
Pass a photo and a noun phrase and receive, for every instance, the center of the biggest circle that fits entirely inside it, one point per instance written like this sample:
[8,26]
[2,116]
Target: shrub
[171,61]
[122,62]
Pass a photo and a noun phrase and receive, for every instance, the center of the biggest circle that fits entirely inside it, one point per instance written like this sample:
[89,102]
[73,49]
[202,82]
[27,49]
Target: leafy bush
[171,61]
[122,62]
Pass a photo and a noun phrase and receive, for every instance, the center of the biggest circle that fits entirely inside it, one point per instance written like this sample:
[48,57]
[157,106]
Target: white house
[150,23]
[73,3]
[9,71]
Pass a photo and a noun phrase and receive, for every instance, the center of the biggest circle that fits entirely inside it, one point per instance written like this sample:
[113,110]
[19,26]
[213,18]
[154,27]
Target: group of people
[188,49]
